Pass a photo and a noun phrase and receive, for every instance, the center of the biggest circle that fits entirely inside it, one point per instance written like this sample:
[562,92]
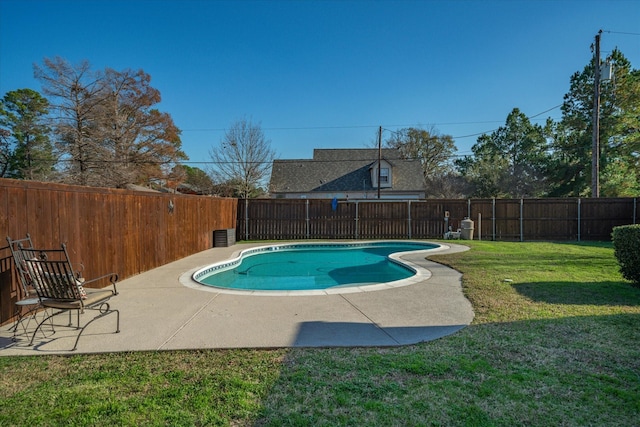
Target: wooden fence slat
[502,219]
[106,230]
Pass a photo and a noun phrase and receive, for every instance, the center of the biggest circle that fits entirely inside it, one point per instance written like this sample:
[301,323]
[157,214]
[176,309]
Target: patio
[158,312]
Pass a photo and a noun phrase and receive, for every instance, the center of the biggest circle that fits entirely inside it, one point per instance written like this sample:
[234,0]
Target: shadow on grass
[588,243]
[513,373]
[352,334]
[613,293]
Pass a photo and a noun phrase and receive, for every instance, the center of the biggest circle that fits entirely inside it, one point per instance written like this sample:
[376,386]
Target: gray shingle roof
[343,170]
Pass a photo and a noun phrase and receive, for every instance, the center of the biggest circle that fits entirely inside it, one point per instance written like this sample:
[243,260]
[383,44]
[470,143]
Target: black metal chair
[60,289]
[28,306]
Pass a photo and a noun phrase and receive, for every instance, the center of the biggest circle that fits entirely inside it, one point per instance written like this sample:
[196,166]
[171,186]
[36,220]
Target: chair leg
[47,318]
[20,318]
[100,315]
[30,316]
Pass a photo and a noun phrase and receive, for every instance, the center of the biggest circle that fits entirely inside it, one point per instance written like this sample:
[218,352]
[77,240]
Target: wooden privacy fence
[106,230]
[130,232]
[494,219]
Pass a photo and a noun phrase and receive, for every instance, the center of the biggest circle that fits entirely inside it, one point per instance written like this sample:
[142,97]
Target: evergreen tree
[27,150]
[571,145]
[510,162]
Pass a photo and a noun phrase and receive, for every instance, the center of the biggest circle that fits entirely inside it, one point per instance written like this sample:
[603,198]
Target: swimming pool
[317,267]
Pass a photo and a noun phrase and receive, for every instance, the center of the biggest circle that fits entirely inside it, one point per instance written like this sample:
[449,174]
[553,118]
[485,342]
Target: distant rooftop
[343,170]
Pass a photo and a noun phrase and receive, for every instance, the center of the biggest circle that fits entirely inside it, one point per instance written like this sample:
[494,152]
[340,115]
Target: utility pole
[595,143]
[379,158]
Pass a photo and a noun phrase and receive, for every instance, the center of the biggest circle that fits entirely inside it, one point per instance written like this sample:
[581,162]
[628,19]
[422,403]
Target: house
[348,174]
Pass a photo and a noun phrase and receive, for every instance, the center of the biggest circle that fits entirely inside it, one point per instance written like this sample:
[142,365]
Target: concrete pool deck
[158,312]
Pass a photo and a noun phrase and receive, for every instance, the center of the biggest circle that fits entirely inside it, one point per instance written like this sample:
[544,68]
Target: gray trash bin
[466,231]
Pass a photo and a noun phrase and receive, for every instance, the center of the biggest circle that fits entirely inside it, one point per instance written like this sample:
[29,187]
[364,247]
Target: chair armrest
[113,278]
[78,271]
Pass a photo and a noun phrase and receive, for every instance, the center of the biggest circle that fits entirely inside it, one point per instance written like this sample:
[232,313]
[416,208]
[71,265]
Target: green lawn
[555,341]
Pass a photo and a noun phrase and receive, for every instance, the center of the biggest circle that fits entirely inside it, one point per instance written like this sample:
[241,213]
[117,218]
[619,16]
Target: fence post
[306,219]
[578,219]
[635,209]
[521,220]
[493,217]
[469,208]
[246,219]
[357,221]
[409,218]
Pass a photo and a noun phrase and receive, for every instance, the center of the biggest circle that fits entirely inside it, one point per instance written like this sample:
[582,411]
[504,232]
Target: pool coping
[421,273]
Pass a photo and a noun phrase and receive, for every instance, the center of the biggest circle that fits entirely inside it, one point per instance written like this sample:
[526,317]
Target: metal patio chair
[29,299]
[60,289]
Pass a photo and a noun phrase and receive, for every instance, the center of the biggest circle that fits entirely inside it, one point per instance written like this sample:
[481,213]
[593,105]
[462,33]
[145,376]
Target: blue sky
[326,74]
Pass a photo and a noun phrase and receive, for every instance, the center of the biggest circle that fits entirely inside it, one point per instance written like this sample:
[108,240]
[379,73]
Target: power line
[545,111]
[287,128]
[386,127]
[346,126]
[475,134]
[493,130]
[621,32]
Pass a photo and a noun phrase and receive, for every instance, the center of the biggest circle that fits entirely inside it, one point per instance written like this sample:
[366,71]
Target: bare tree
[108,132]
[243,158]
[141,143]
[77,94]
[435,151]
[447,186]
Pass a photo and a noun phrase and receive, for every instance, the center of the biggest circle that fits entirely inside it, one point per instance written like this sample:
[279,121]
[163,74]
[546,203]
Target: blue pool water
[311,266]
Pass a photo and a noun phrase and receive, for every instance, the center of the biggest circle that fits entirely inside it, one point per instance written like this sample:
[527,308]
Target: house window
[384,175]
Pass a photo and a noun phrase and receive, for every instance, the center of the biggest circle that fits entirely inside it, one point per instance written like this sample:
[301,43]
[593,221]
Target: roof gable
[342,170]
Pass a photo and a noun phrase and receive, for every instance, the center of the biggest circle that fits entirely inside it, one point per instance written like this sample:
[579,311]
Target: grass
[554,342]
